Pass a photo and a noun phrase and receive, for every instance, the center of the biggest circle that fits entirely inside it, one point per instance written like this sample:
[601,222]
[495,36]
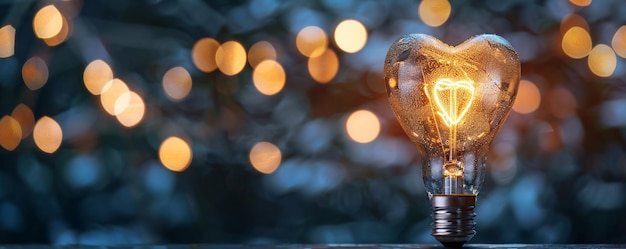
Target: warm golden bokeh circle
[602,60]
[363,126]
[47,135]
[96,75]
[528,98]
[619,41]
[35,73]
[323,68]
[230,58]
[434,13]
[261,51]
[269,77]
[48,22]
[576,43]
[177,83]
[311,41]
[133,113]
[175,154]
[110,94]
[265,157]
[7,41]
[61,36]
[350,36]
[10,133]
[203,54]
[24,115]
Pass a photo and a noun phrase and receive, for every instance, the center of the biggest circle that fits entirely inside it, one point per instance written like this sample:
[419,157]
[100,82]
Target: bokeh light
[562,103]
[434,13]
[177,83]
[175,154]
[350,36]
[118,172]
[10,133]
[619,41]
[528,98]
[203,54]
[581,3]
[47,134]
[311,41]
[96,75]
[25,117]
[35,73]
[602,60]
[61,36]
[269,77]
[7,41]
[323,68]
[134,112]
[573,20]
[265,157]
[261,51]
[576,43]
[230,58]
[363,126]
[110,94]
[48,22]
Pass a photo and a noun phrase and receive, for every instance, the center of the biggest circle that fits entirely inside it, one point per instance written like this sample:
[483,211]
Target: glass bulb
[451,102]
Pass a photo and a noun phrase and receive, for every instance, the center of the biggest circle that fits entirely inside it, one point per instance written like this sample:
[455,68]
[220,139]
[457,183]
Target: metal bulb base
[453,219]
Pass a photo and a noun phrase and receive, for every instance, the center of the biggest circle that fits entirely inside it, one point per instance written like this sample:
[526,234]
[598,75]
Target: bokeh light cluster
[267,121]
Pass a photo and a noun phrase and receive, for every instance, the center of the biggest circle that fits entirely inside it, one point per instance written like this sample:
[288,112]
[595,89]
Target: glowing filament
[453,100]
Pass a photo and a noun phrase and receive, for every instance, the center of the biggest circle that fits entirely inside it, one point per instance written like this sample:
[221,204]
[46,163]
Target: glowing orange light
[261,51]
[581,3]
[134,112]
[573,20]
[96,75]
[111,92]
[602,60]
[177,83]
[269,77]
[265,157]
[203,54]
[311,41]
[175,154]
[350,36]
[25,117]
[230,58]
[60,37]
[619,41]
[363,126]
[10,133]
[528,98]
[576,43]
[35,73]
[48,22]
[447,95]
[47,135]
[7,41]
[323,68]
[434,13]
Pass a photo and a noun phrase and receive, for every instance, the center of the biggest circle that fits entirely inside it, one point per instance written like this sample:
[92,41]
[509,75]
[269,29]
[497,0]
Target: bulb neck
[453,219]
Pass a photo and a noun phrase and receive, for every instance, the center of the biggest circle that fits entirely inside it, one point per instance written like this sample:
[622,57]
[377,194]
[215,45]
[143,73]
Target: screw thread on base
[453,219]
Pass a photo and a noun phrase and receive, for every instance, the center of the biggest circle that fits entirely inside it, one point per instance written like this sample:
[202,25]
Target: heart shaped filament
[460,95]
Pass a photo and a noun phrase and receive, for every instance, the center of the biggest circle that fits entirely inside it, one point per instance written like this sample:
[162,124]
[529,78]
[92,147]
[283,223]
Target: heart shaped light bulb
[451,102]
